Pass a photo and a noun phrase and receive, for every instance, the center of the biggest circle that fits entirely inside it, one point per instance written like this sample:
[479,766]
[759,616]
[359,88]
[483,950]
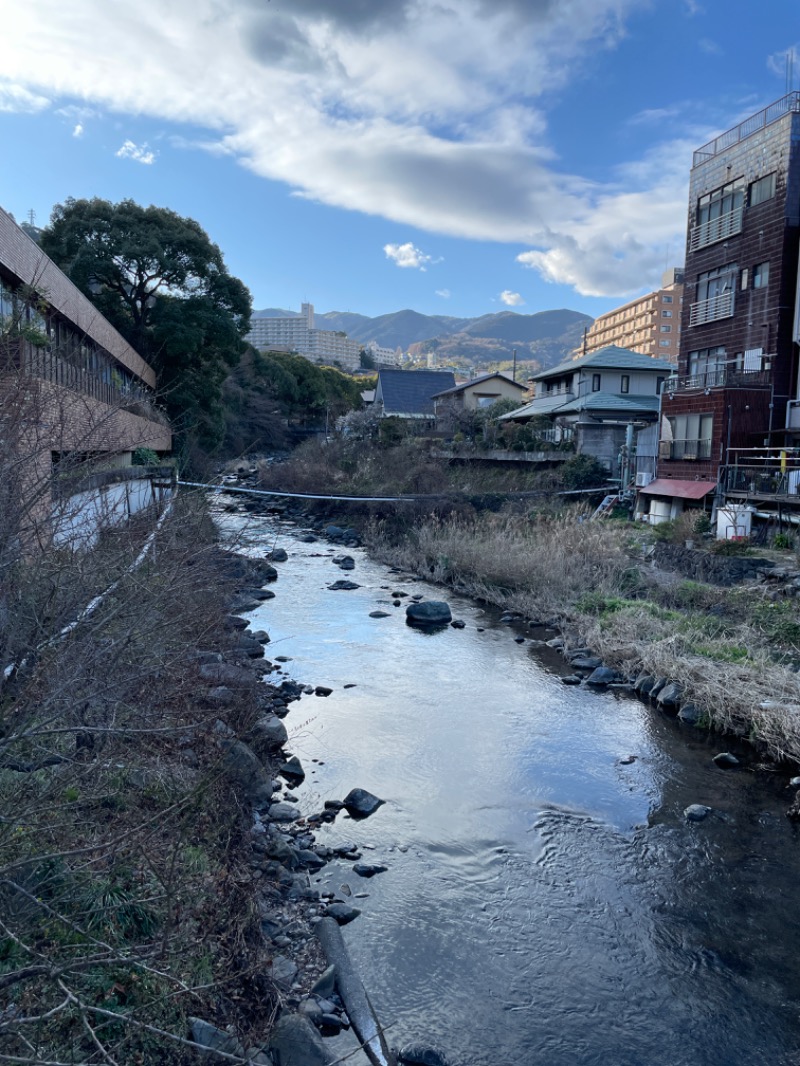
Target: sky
[457,157]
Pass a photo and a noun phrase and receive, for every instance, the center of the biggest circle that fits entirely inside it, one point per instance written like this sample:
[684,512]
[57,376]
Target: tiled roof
[479,381]
[411,392]
[623,404]
[610,358]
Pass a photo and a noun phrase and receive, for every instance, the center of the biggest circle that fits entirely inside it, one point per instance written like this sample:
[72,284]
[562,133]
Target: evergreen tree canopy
[163,283]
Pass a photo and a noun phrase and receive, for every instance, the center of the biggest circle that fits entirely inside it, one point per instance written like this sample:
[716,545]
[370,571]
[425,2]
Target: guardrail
[775,111]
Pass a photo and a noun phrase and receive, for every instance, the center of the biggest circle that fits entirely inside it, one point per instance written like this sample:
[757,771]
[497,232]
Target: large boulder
[268,735]
[360,804]
[669,698]
[429,613]
[247,774]
[295,1042]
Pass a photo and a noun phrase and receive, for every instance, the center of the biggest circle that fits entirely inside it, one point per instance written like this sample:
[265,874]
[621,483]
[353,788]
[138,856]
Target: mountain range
[544,339]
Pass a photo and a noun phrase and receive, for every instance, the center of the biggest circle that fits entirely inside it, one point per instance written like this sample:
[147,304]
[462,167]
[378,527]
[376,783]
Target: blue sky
[454,156]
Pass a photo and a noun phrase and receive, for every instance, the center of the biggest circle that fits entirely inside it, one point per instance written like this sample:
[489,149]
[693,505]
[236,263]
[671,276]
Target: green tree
[163,283]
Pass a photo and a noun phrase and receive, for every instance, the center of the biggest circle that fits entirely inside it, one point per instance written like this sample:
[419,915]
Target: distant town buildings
[650,324]
[297,333]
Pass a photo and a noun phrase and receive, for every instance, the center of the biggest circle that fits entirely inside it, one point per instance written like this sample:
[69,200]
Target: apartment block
[650,324]
[297,333]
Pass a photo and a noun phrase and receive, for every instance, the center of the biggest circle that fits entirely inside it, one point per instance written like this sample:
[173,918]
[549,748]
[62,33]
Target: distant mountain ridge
[544,338]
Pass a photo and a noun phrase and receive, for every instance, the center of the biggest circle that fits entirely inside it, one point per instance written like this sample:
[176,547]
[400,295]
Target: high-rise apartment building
[298,334]
[737,368]
[650,325]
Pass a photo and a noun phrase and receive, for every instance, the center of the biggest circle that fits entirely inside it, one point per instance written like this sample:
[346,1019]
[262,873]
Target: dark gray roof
[411,392]
[612,358]
[480,380]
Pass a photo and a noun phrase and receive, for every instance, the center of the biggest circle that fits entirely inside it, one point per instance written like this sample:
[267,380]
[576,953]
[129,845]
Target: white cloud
[78,131]
[16,98]
[406,255]
[444,293]
[141,153]
[511,299]
[408,110]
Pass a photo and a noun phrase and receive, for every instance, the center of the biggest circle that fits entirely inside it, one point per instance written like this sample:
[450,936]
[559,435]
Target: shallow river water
[545,904]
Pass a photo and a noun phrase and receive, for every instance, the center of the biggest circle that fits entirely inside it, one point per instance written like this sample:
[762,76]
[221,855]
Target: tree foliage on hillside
[163,283]
[269,392]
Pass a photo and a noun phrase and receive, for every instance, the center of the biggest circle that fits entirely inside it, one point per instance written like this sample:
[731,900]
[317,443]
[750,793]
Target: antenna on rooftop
[789,69]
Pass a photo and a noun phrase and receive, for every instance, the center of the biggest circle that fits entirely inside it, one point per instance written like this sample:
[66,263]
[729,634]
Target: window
[761,190]
[760,275]
[659,385]
[714,295]
[745,279]
[719,214]
[707,365]
[595,382]
[625,383]
[691,436]
[666,299]
[664,344]
[666,314]
[665,329]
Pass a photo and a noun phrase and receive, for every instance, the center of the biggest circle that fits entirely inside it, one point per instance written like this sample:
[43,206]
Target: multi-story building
[733,398]
[76,400]
[650,324]
[298,334]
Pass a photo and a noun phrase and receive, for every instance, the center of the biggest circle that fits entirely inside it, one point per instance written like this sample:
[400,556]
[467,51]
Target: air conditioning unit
[643,479]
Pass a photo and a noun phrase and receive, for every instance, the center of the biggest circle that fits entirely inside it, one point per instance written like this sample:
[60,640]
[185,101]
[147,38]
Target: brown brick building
[737,367]
[74,395]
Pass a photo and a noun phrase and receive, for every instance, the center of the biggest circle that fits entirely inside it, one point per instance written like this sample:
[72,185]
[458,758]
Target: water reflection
[544,904]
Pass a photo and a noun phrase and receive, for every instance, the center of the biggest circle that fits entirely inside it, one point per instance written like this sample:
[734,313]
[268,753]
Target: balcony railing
[718,377]
[710,310]
[767,480]
[684,449]
[790,102]
[716,229]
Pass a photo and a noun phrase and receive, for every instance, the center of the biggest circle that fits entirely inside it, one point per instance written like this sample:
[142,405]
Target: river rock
[247,774]
[360,804]
[343,585]
[644,684]
[428,613]
[570,679]
[268,734]
[322,690]
[333,532]
[325,984]
[660,683]
[283,971]
[253,649]
[585,662]
[696,812]
[342,913]
[278,555]
[369,869]
[295,1042]
[329,1024]
[420,1055]
[219,696]
[690,713]
[458,624]
[224,674]
[669,697]
[292,770]
[234,621]
[214,1039]
[344,562]
[603,675]
[283,812]
[726,760]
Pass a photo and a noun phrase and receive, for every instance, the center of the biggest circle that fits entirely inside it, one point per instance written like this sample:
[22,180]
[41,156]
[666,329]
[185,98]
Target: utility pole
[514,366]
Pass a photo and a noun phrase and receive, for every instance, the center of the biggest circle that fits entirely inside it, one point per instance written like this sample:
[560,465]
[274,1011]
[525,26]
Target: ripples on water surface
[544,904]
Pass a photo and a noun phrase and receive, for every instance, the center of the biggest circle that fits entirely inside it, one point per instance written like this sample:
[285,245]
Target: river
[545,904]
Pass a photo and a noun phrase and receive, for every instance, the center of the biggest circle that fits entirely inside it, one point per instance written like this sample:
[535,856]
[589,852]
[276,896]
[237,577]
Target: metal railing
[716,378]
[684,449]
[776,110]
[710,310]
[769,479]
[716,229]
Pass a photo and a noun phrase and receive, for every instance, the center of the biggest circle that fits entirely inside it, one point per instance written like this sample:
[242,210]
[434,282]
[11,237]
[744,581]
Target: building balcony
[716,229]
[685,450]
[761,474]
[712,309]
[724,377]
